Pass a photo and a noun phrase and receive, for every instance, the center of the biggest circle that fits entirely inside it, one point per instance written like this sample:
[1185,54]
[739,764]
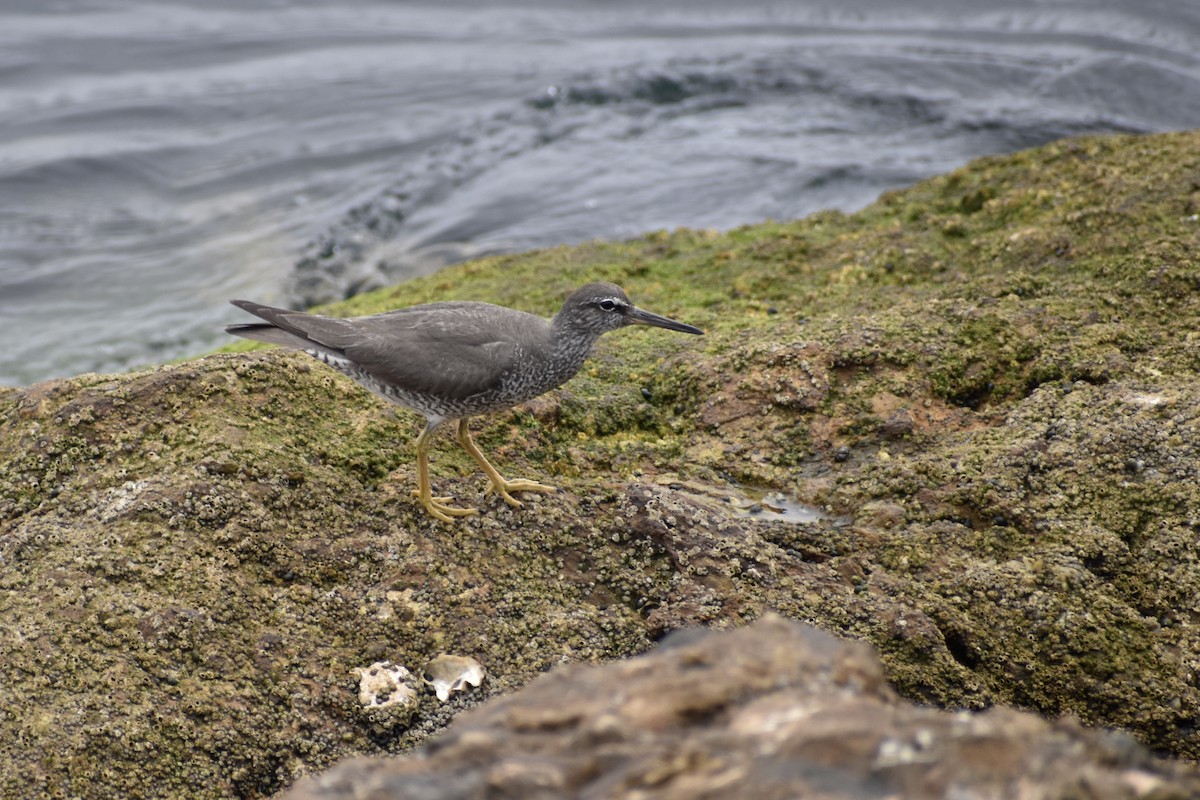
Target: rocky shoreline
[987,384]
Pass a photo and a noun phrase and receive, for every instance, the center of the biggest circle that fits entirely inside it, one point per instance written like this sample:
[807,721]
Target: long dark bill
[640,317]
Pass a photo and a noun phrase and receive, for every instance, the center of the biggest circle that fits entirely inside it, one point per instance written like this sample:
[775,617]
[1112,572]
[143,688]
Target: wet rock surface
[773,710]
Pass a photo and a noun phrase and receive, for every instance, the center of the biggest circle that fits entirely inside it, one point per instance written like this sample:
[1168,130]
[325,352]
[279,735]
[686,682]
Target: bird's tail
[265,332]
[281,327]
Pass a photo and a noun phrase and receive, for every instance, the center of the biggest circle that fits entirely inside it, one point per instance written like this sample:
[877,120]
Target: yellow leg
[499,484]
[437,506]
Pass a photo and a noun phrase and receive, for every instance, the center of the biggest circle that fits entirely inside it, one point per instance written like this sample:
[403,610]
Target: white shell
[448,674]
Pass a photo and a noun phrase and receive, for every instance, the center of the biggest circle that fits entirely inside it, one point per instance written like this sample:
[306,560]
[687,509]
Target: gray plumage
[454,360]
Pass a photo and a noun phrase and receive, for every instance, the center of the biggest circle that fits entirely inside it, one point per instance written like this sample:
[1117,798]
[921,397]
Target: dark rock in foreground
[773,710]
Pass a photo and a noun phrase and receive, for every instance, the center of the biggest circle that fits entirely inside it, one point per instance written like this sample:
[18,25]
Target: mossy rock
[988,382]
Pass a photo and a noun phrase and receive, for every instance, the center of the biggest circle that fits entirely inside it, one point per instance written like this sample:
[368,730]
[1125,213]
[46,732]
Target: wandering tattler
[453,360]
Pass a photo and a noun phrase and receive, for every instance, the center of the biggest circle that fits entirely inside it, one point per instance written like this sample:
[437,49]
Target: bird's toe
[522,485]
[519,485]
[440,508]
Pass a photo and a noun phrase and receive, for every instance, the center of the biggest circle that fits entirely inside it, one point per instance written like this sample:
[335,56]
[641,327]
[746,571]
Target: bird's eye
[607,305]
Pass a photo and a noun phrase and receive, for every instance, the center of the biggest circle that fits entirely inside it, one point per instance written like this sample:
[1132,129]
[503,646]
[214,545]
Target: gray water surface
[158,158]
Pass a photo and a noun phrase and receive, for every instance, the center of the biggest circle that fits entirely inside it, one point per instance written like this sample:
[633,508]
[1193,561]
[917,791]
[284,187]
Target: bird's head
[601,307]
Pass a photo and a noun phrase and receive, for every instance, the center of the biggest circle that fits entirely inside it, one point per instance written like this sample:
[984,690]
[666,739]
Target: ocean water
[158,158]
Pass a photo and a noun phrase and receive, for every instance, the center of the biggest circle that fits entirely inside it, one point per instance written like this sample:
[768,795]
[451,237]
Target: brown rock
[773,710]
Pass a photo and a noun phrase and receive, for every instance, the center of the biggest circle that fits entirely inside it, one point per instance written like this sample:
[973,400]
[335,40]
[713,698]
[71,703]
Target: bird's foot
[519,485]
[440,507]
[447,513]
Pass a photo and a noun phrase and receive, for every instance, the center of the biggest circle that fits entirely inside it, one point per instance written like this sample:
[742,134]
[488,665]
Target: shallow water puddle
[745,501]
[774,505]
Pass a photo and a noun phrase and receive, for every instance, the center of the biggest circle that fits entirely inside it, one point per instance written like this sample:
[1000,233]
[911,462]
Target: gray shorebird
[454,360]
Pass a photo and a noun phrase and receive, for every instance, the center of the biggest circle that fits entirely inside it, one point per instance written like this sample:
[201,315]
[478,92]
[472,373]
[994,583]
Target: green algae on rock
[988,382]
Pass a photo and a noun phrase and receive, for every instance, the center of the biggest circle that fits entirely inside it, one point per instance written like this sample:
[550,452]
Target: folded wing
[451,350]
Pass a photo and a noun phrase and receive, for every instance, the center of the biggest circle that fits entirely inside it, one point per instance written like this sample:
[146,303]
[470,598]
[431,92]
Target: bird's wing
[453,350]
